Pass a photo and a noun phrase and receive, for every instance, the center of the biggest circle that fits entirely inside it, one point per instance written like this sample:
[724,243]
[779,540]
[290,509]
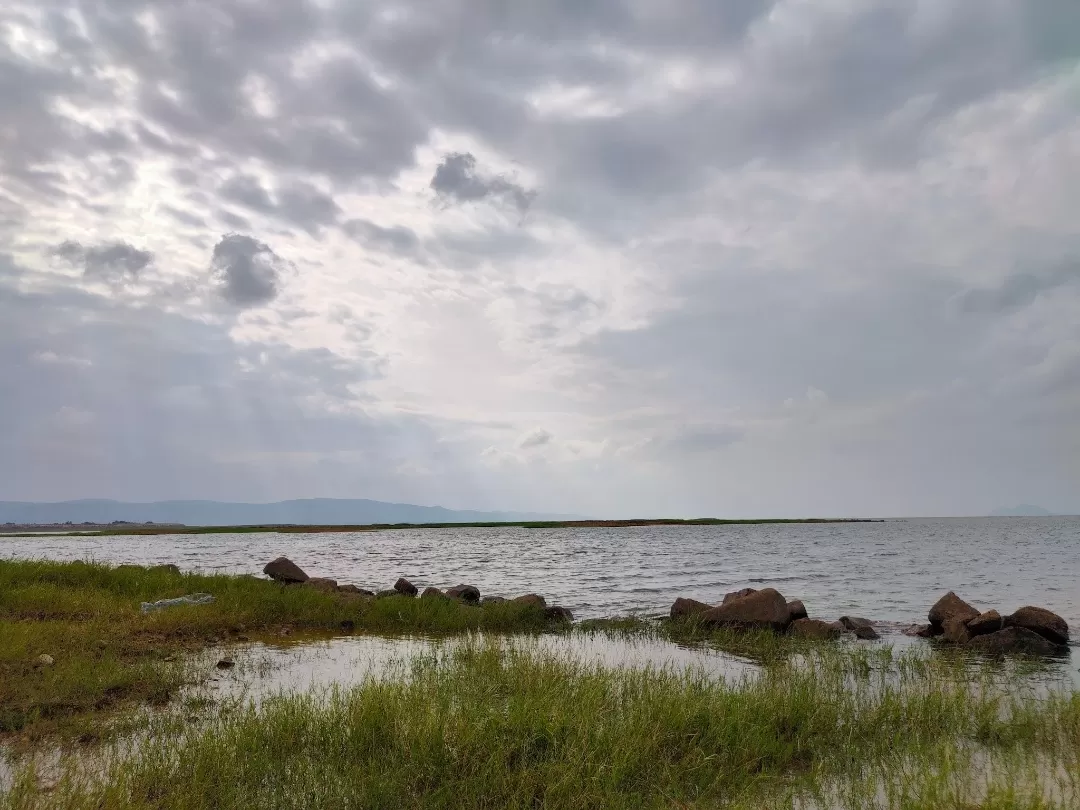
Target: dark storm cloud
[1017,290]
[458,178]
[105,260]
[246,271]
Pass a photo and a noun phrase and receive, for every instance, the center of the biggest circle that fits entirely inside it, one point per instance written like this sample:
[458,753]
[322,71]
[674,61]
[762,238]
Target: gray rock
[285,570]
[406,588]
[988,622]
[682,608]
[862,628]
[45,660]
[1040,620]
[816,629]
[1015,640]
[766,608]
[947,607]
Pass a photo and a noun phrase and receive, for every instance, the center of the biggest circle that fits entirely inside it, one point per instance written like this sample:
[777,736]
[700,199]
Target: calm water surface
[891,571]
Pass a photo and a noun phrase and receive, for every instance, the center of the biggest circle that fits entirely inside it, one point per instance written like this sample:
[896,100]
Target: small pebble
[45,660]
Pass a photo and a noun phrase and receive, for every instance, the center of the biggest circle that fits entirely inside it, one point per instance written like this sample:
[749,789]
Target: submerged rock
[796,610]
[466,593]
[766,608]
[815,629]
[1015,640]
[1040,620]
[285,570]
[921,631]
[862,628]
[406,588]
[559,614]
[687,607]
[989,621]
[949,606]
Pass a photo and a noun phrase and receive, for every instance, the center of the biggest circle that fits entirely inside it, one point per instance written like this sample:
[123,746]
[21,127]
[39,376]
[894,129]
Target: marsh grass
[108,654]
[496,724]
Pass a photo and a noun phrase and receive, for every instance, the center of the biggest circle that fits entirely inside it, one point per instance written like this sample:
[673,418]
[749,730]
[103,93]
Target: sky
[792,258]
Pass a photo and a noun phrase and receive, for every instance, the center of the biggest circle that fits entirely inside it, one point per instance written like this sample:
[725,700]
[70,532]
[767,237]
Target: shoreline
[136,530]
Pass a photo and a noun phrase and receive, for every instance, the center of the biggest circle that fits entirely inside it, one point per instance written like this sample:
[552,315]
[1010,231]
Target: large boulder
[285,570]
[532,599]
[405,588]
[682,608]
[862,628]
[1040,620]
[815,629]
[796,610]
[766,608]
[739,594]
[955,630]
[948,607]
[466,593]
[987,622]
[1015,640]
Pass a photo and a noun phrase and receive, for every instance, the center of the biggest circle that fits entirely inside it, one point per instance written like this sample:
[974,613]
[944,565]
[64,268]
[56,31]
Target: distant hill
[321,511]
[1023,510]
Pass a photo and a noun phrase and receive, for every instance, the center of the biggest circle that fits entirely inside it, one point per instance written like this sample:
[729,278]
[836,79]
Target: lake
[890,571]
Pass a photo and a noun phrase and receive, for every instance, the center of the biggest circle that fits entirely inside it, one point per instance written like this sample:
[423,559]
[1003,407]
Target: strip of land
[140,529]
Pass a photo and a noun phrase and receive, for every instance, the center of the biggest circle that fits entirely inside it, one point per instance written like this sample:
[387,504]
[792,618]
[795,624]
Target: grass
[493,725]
[143,529]
[108,654]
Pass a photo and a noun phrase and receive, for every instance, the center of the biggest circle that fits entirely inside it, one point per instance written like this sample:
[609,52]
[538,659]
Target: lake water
[891,571]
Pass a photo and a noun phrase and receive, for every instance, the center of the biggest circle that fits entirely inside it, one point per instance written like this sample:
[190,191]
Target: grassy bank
[370,527]
[490,727]
[107,654]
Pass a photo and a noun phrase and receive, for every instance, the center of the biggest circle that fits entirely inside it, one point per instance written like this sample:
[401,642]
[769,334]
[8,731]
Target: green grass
[107,654]
[142,529]
[492,726]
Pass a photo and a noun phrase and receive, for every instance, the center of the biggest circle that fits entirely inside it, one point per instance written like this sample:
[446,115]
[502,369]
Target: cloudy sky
[807,257]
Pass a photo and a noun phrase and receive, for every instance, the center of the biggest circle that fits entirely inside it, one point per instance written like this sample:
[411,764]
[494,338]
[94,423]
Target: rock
[322,583]
[921,631]
[285,570]
[559,614]
[433,593]
[226,663]
[347,626]
[738,594]
[1040,620]
[354,590]
[815,629]
[862,628]
[766,608]
[796,610]
[1015,640]
[166,567]
[406,588]
[947,607]
[45,660]
[534,599]
[386,593]
[956,631]
[988,622]
[466,593]
[687,607]
[493,600]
